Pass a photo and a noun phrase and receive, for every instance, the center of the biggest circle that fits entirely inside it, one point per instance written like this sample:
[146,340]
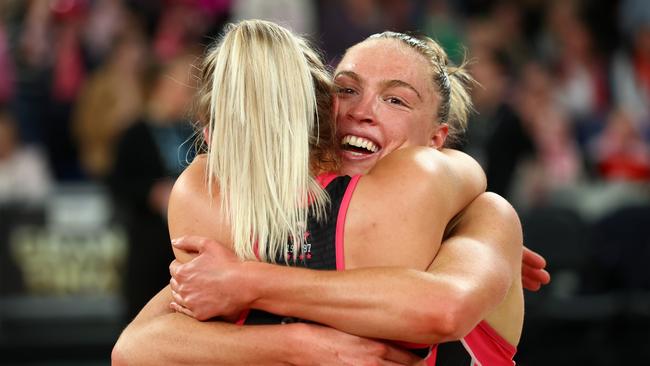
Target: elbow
[458,322]
[124,351]
[117,355]
[452,321]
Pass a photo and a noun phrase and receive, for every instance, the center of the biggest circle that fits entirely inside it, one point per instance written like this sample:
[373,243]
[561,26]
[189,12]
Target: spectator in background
[582,85]
[557,162]
[110,101]
[620,152]
[69,71]
[180,25]
[107,21]
[50,70]
[32,59]
[496,137]
[24,176]
[149,157]
[631,76]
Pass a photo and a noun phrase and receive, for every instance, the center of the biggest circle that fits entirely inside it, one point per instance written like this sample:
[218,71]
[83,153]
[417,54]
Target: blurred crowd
[99,92]
[563,95]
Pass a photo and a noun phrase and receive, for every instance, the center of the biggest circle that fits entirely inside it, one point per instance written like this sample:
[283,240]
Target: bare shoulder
[434,169]
[192,178]
[192,209]
[418,160]
[389,220]
[495,211]
[410,172]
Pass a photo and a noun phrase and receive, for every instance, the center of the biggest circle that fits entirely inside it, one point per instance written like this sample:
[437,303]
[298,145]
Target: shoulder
[421,172]
[193,178]
[412,160]
[193,210]
[408,166]
[497,207]
[422,161]
[492,218]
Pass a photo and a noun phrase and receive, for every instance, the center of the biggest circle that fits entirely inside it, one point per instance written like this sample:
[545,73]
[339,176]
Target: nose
[362,109]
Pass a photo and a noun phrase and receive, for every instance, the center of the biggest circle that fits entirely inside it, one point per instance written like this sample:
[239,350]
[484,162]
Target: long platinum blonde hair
[259,95]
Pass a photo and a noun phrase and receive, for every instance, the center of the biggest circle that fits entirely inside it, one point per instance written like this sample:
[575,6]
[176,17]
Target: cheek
[406,132]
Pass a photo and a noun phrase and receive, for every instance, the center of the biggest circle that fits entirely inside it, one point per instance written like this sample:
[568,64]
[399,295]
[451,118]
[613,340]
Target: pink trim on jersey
[488,347]
[431,358]
[256,250]
[325,179]
[242,317]
[340,223]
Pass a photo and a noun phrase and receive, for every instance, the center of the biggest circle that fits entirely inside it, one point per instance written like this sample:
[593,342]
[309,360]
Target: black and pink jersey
[323,250]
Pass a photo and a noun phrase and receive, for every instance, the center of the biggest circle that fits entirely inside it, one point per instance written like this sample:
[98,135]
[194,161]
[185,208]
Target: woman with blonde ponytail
[261,125]
[265,191]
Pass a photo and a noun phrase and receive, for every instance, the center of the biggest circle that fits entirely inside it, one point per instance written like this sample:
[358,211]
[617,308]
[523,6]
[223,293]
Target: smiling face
[386,101]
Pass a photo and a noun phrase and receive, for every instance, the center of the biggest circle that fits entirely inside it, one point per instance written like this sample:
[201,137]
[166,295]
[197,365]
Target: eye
[344,90]
[396,101]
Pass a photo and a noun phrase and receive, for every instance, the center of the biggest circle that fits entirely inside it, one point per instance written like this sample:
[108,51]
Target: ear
[439,136]
[206,135]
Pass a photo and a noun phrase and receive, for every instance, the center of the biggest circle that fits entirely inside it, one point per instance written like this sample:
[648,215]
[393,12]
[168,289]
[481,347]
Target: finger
[178,299]
[533,259]
[530,285]
[173,267]
[536,274]
[173,284]
[180,309]
[189,243]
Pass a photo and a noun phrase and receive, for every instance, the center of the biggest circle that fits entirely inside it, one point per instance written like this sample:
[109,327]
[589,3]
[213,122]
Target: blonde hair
[259,98]
[452,82]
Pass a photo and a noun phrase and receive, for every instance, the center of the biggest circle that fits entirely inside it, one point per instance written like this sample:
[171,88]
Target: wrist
[251,280]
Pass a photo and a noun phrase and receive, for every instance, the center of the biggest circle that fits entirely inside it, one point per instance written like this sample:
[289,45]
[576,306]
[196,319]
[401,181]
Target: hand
[210,284]
[533,274]
[319,345]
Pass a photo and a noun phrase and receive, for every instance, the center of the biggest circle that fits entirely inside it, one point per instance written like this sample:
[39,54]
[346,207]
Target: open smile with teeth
[357,144]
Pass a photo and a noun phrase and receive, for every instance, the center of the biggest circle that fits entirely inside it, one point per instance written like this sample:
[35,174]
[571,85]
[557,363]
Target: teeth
[361,142]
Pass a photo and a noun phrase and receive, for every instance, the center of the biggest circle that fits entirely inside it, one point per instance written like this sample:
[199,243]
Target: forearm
[383,302]
[469,276]
[176,339]
[161,337]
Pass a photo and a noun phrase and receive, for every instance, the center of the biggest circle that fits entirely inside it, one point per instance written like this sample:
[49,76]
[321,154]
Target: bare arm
[159,336]
[469,277]
[397,303]
[466,281]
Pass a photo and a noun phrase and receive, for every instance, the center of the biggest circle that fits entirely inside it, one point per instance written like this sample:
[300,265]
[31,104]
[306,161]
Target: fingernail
[174,241]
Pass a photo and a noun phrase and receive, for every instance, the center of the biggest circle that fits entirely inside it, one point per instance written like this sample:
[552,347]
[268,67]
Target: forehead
[388,59]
